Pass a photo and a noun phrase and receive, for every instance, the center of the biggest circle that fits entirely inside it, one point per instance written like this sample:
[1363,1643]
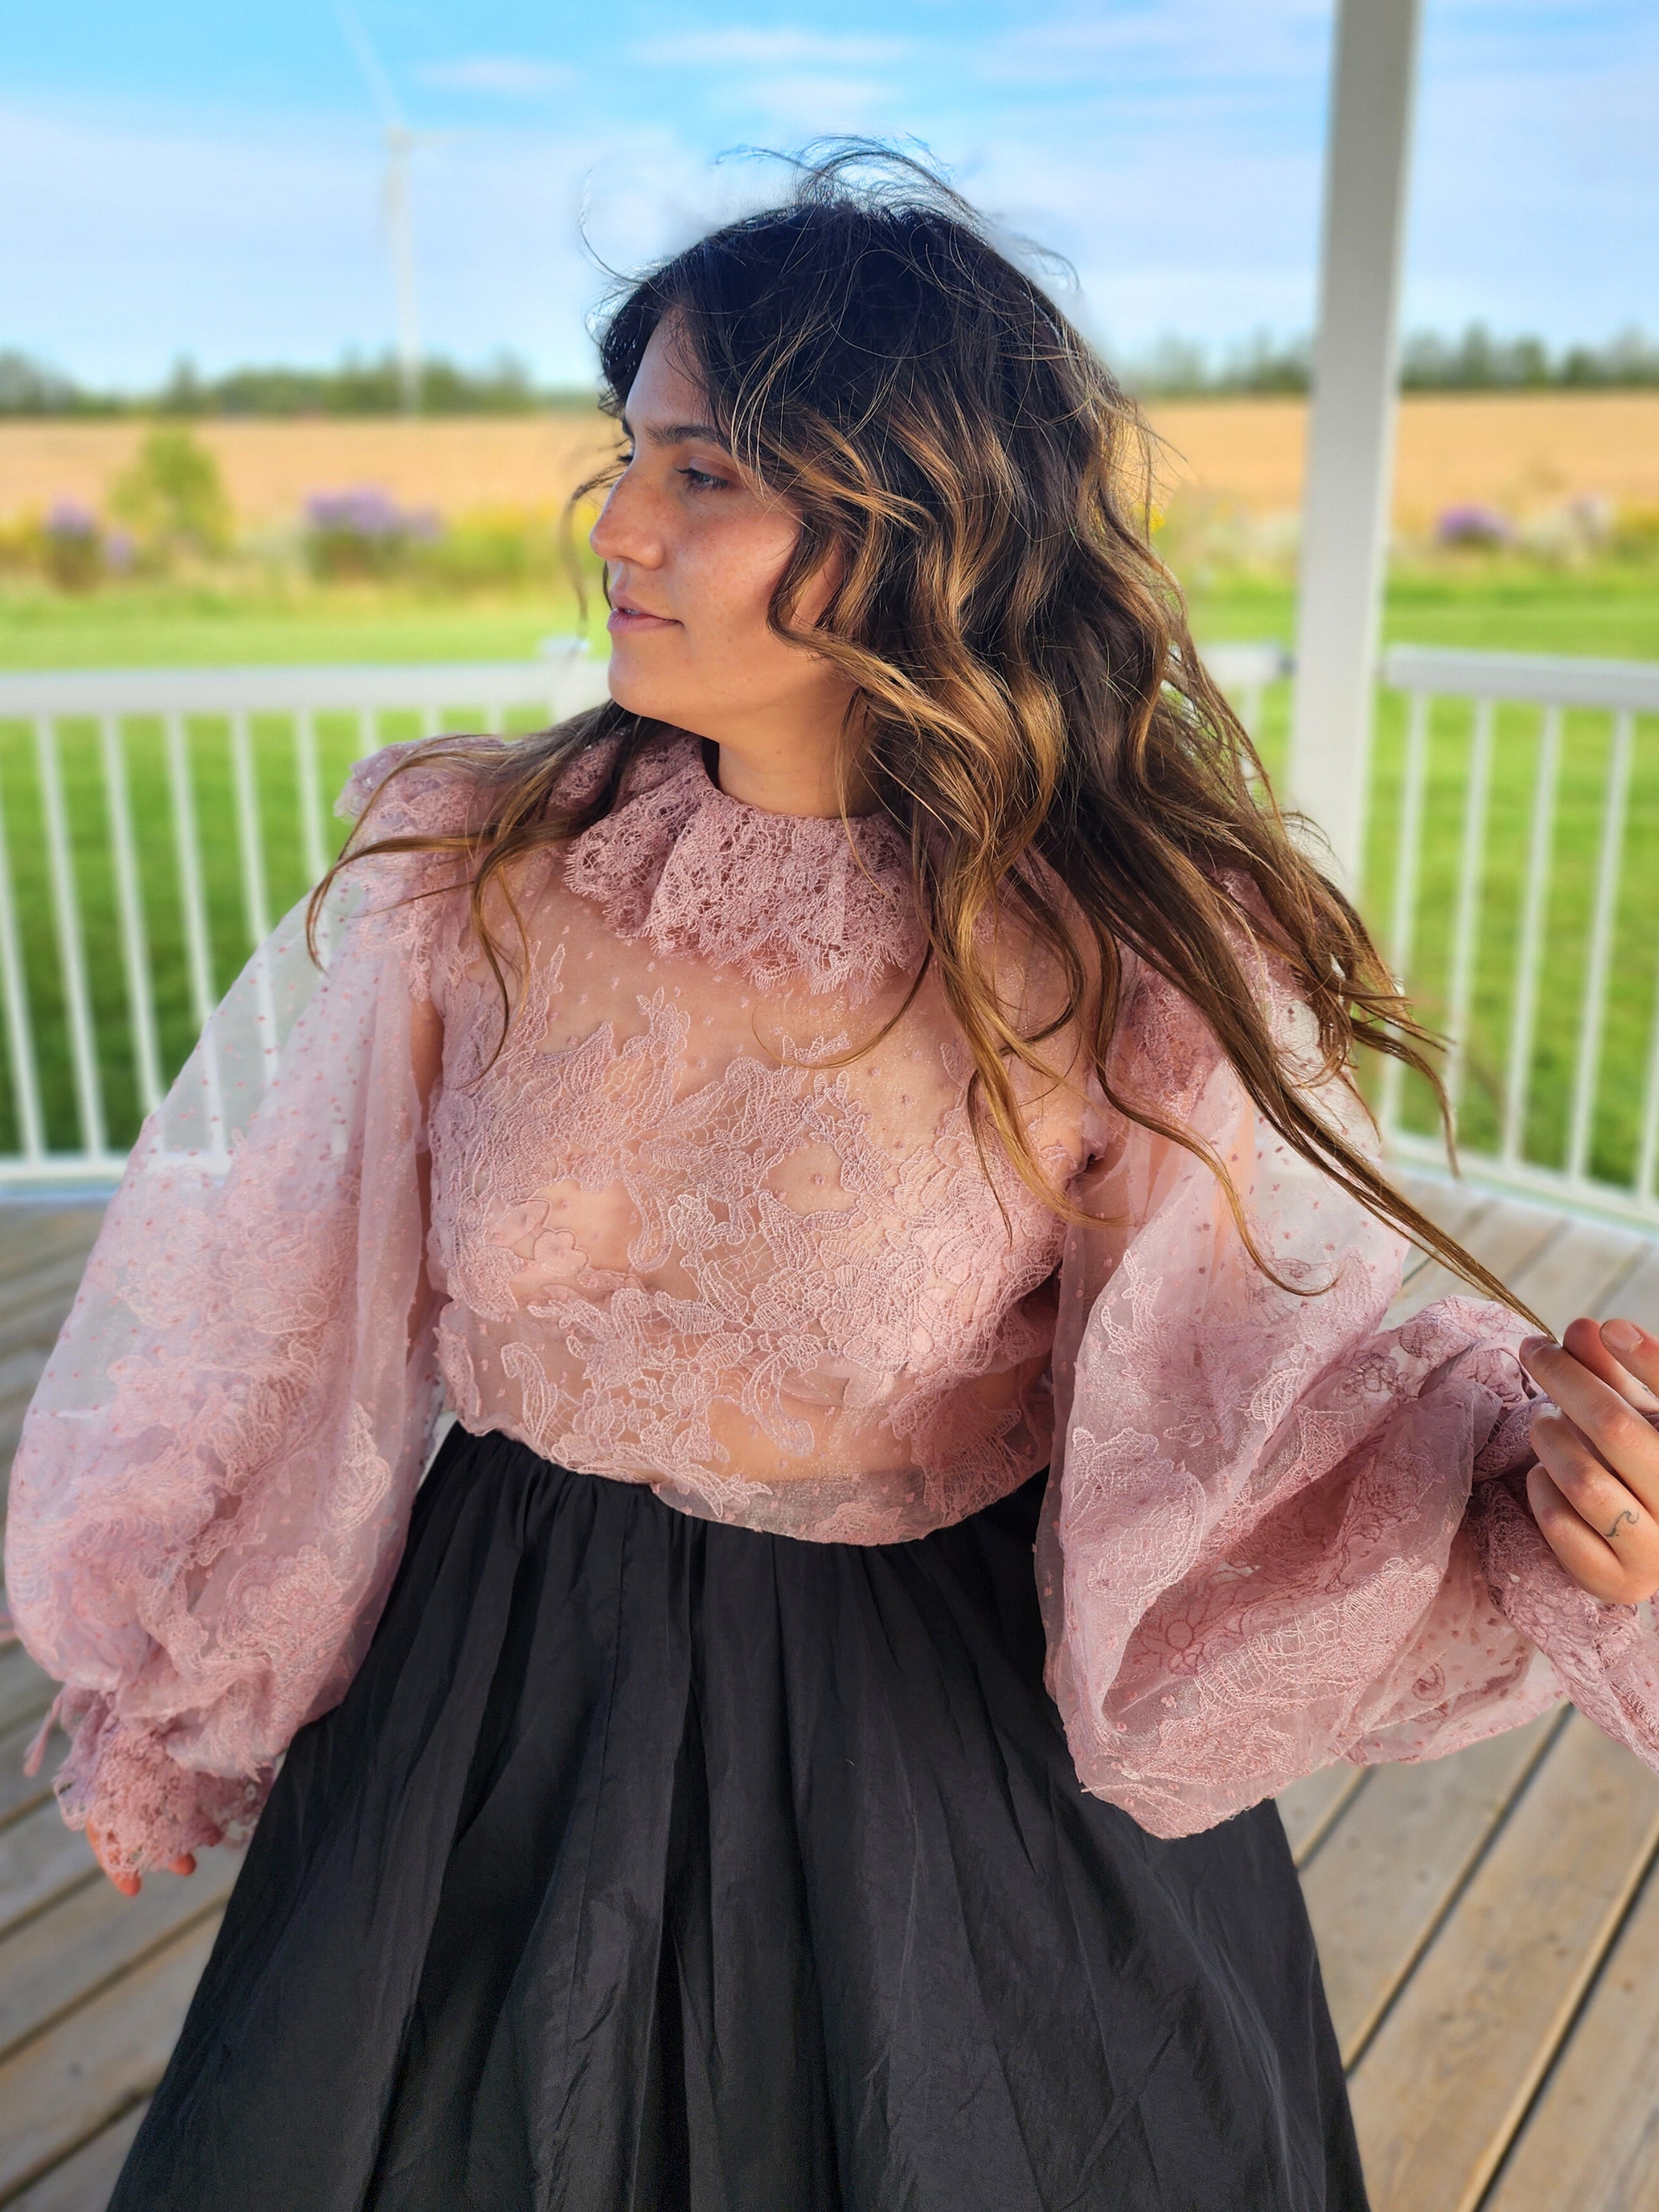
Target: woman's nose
[624,531]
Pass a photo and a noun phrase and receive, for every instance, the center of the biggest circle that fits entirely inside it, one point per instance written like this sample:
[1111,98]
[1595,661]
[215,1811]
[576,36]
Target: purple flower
[1474,525]
[68,519]
[364,512]
[363,531]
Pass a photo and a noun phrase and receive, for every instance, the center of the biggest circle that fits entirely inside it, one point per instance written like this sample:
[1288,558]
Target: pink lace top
[688,1227]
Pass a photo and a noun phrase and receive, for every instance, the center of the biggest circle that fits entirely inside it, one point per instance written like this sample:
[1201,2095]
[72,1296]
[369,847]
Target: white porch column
[1351,424]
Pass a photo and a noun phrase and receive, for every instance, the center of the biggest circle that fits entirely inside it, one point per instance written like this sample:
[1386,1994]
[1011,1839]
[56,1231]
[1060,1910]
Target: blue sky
[204,176]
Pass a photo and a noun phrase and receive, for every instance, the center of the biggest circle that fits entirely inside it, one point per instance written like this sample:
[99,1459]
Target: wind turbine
[401,140]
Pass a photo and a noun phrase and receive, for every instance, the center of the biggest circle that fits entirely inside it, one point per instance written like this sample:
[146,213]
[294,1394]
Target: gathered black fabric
[651,1865]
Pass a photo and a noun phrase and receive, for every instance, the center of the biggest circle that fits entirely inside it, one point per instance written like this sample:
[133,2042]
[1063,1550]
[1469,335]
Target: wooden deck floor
[1489,1924]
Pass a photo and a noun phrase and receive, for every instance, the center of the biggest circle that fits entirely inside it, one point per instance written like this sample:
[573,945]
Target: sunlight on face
[693,550]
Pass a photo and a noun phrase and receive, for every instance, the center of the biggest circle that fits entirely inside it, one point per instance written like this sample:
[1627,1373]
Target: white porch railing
[154,823]
[1513,869]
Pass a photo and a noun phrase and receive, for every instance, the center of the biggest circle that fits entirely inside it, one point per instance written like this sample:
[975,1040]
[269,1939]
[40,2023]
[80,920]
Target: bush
[75,551]
[1635,534]
[493,549]
[174,498]
[1472,525]
[353,535]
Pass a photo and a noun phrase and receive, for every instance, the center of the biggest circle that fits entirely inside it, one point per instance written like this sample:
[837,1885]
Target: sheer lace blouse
[687,1225]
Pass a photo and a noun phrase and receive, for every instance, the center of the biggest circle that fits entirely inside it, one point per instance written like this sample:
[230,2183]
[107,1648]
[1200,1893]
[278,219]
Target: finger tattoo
[1629,1514]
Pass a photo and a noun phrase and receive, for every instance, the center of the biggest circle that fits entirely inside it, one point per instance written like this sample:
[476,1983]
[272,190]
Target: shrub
[71,544]
[1472,525]
[173,496]
[353,535]
[492,549]
[1635,534]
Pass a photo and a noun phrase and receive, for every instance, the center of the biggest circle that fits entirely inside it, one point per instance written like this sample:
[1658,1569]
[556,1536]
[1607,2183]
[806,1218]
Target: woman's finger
[1637,1353]
[1587,1340]
[1596,1527]
[124,1879]
[1592,1563]
[1586,1557]
[1615,1432]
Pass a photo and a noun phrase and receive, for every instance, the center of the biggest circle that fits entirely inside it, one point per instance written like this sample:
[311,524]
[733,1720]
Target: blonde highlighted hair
[1031,711]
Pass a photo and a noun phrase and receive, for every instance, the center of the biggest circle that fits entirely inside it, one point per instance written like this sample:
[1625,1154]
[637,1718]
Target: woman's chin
[638,692]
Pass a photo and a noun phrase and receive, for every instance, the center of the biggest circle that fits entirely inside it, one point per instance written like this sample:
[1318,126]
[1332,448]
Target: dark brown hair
[1031,710]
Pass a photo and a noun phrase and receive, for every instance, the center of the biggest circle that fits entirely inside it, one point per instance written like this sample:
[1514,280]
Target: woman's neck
[788,775]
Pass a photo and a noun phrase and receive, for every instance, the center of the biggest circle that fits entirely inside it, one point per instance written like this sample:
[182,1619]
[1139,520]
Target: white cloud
[1170,148]
[509,77]
[820,105]
[737,46]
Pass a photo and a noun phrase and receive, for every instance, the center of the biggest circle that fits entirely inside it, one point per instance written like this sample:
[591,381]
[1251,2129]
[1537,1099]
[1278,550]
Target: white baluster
[1517,1080]
[71,943]
[1587,1066]
[135,940]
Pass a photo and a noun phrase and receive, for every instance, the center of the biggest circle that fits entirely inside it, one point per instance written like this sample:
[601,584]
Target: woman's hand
[1595,1492]
[130,1884]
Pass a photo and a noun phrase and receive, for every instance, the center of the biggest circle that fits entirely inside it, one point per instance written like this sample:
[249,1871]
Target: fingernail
[1620,1335]
[1533,1344]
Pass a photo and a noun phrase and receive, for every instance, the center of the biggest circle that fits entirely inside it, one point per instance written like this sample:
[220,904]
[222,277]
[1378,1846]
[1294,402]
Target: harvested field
[271,469]
[1517,450]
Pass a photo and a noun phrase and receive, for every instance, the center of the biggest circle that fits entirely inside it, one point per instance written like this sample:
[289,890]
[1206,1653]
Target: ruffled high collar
[782,897]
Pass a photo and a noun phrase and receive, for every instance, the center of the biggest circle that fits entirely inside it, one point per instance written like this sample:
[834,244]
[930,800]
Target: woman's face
[693,550]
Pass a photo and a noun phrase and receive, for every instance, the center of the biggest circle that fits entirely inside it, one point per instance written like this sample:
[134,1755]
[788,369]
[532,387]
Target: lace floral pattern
[777,896]
[713,1218]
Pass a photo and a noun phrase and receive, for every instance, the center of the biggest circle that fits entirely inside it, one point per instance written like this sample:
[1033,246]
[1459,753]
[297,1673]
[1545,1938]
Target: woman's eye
[701,480]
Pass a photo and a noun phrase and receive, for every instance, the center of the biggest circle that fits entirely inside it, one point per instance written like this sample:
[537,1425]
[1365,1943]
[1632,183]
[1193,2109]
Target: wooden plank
[54,1962]
[1592,2140]
[1452,2069]
[1311,1809]
[1507,1237]
[29,1235]
[1577,1269]
[40,1859]
[1637,1296]
[1384,1881]
[33,1306]
[25,1690]
[20,1370]
[61,2088]
[86,2180]
[1450,1205]
[21,1793]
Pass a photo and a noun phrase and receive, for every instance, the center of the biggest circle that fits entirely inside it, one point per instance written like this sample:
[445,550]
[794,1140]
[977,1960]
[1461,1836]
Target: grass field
[1611,613]
[1606,616]
[169,625]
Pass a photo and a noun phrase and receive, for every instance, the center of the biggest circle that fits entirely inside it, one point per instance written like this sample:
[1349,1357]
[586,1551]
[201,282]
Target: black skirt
[655,1866]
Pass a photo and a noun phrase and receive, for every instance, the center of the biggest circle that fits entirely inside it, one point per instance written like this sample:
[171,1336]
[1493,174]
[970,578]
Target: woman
[891,1036]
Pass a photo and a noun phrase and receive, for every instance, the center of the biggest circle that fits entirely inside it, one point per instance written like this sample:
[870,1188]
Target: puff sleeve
[1283,1534]
[213,1485]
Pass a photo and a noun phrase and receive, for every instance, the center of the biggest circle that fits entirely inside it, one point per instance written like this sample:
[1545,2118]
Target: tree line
[1475,361]
[358,385]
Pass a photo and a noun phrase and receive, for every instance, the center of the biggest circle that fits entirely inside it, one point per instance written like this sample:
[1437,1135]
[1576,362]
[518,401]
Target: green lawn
[1608,612]
[171,626]
[1613,614]
[1610,615]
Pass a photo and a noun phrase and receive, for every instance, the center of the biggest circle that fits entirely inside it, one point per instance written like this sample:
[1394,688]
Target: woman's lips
[632,621]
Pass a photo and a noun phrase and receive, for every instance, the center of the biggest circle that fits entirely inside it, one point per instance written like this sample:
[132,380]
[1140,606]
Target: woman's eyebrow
[680,434]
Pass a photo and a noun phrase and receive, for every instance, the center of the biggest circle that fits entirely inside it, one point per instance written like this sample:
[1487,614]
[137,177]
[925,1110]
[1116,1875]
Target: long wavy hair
[1029,705]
